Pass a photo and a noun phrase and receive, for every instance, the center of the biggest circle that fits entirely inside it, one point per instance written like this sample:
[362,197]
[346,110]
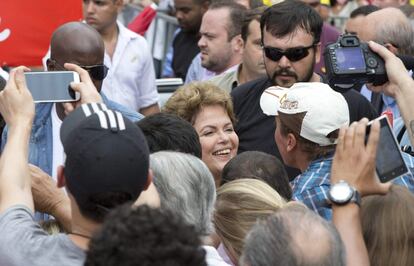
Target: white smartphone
[52,86]
[389,162]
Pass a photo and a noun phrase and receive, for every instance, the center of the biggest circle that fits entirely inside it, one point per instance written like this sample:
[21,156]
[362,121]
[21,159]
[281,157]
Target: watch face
[341,192]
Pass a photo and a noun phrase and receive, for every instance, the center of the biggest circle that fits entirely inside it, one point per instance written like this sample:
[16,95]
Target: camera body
[349,61]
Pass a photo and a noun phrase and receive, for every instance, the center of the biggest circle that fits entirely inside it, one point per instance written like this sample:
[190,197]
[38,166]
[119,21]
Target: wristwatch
[342,193]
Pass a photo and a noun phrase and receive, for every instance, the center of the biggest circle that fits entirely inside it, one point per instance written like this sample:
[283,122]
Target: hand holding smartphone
[389,161]
[52,86]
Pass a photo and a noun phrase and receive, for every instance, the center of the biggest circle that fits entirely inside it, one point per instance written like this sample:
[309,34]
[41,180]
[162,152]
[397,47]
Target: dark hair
[236,16]
[259,165]
[96,207]
[251,15]
[408,10]
[363,11]
[165,131]
[312,149]
[285,17]
[145,236]
[201,2]
[256,3]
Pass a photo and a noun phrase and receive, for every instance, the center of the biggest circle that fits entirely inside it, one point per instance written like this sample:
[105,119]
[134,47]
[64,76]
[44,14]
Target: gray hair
[397,31]
[289,238]
[186,187]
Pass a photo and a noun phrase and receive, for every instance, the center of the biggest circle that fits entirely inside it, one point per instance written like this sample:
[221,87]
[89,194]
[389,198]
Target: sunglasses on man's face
[293,54]
[97,72]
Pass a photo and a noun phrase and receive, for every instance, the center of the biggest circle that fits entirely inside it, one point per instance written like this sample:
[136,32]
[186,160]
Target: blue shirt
[312,186]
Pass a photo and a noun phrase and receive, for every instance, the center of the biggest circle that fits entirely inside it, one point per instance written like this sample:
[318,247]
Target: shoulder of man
[256,86]
[223,81]
[130,114]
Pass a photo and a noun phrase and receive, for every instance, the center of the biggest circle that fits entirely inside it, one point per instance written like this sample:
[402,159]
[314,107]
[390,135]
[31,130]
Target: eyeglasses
[97,72]
[293,54]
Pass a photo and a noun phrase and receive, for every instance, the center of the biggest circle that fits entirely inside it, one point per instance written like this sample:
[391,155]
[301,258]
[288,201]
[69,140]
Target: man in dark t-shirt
[189,14]
[291,45]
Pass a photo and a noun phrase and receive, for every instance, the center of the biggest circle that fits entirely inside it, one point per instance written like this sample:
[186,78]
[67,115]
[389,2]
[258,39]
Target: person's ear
[237,43]
[149,179]
[61,179]
[119,5]
[291,142]
[204,6]
[391,48]
[317,52]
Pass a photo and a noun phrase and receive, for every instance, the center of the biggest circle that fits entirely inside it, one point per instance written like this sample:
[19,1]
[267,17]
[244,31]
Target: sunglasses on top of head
[97,72]
[293,54]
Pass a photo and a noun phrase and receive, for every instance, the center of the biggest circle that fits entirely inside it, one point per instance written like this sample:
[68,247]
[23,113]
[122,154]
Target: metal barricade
[160,36]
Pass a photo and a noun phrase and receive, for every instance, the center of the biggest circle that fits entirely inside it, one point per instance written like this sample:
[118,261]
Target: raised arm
[354,163]
[17,108]
[400,86]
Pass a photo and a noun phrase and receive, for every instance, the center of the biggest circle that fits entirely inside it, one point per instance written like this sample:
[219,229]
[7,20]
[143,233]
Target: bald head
[75,39]
[76,43]
[397,31]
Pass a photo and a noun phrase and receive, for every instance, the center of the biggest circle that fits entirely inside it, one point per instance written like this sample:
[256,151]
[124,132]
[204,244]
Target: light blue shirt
[196,72]
[389,102]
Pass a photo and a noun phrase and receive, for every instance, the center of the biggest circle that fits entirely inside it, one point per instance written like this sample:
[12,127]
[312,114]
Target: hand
[46,195]
[86,88]
[16,102]
[396,71]
[354,161]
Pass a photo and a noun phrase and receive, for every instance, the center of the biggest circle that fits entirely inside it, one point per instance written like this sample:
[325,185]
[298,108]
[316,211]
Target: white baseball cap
[320,109]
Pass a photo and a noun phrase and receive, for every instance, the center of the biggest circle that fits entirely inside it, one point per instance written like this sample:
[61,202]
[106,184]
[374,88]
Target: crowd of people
[255,161]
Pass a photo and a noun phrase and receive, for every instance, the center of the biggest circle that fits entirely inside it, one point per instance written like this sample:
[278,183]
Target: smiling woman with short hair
[210,110]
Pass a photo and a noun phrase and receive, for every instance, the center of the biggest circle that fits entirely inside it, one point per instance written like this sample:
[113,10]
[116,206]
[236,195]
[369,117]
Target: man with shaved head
[80,44]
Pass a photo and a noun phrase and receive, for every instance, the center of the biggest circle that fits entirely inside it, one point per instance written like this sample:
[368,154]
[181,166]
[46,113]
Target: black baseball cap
[105,152]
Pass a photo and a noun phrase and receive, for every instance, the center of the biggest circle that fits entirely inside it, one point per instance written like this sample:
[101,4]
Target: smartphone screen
[52,86]
[389,162]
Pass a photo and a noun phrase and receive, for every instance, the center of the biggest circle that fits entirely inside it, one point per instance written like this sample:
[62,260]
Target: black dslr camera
[349,61]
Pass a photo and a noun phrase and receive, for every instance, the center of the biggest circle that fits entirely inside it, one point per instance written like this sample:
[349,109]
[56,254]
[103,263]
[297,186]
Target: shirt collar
[124,32]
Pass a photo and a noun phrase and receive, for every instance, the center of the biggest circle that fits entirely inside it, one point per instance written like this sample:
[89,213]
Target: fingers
[360,132]
[20,80]
[373,138]
[83,74]
[68,107]
[17,79]
[349,136]
[381,50]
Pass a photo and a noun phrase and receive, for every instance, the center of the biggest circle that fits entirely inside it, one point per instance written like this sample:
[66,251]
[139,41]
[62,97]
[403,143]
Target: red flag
[26,27]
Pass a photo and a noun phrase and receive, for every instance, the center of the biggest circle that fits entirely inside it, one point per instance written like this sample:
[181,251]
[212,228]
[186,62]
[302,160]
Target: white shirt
[213,258]
[58,153]
[131,77]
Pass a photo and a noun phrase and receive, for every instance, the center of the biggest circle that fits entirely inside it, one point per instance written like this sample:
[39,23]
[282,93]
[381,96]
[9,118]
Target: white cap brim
[271,99]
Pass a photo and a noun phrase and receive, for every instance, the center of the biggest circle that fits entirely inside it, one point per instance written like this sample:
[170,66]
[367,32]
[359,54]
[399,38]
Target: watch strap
[356,198]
